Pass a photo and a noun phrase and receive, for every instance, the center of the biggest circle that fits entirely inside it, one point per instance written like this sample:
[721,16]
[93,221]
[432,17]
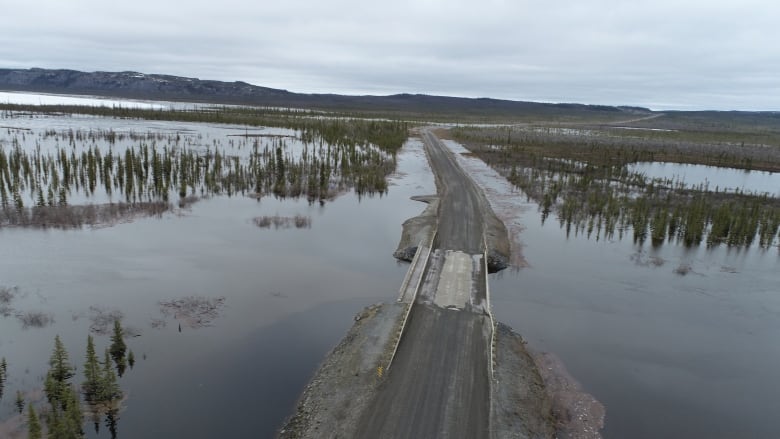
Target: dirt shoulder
[535,397]
[521,405]
[346,381]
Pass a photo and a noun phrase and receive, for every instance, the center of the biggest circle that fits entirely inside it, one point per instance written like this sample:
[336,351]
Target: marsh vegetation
[193,311]
[69,178]
[301,288]
[283,222]
[64,171]
[584,177]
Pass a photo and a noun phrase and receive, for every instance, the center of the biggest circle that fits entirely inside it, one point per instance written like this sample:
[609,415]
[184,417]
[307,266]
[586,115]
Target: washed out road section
[439,385]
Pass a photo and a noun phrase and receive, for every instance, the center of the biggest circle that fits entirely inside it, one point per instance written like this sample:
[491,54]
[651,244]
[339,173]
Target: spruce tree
[65,418]
[3,376]
[63,197]
[18,203]
[40,201]
[54,423]
[3,194]
[118,348]
[111,422]
[91,385]
[109,388]
[74,418]
[60,372]
[131,359]
[50,388]
[33,424]
[19,401]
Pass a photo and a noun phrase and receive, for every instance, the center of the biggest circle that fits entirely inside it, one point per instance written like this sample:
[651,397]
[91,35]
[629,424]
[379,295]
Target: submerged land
[435,363]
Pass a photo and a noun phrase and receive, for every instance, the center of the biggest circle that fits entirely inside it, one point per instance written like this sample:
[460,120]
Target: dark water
[669,355]
[724,179]
[290,295]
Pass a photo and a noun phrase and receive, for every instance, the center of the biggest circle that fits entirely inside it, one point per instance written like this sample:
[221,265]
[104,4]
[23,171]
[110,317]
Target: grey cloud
[663,54]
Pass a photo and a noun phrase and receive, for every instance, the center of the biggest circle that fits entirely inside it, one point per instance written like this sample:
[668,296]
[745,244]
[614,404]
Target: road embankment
[345,382]
[521,406]
[441,383]
[417,228]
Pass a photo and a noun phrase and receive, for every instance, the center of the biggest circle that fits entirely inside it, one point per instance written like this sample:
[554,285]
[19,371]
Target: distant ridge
[136,85]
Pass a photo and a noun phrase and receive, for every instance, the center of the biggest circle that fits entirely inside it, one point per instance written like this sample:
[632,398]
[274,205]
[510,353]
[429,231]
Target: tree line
[593,192]
[33,183]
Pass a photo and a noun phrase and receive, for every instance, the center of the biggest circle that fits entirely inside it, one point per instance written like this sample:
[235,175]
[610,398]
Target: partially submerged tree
[119,348]
[109,388]
[92,373]
[33,424]
[3,376]
[65,418]
[19,401]
[60,371]
[131,359]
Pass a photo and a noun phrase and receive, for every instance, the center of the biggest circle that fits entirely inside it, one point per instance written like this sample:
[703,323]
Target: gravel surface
[439,384]
[346,381]
[577,414]
[522,408]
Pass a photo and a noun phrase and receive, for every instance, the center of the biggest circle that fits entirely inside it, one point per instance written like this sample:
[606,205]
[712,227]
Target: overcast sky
[663,54]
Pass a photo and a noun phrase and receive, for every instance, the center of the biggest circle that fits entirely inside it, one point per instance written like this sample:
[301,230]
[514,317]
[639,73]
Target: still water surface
[670,355]
[712,177]
[290,295]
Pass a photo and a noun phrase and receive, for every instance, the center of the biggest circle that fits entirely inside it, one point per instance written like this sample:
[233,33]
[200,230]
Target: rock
[496,261]
[406,254]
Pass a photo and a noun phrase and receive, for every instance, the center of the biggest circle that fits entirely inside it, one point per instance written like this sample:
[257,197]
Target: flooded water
[711,177]
[289,294]
[675,342]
